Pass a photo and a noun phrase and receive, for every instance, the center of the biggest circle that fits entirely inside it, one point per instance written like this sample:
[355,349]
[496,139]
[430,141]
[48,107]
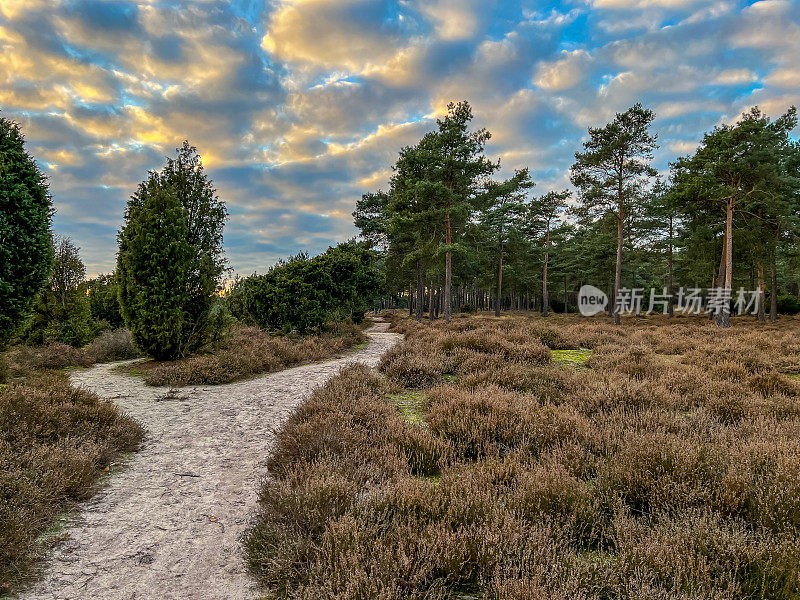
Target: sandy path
[169,525]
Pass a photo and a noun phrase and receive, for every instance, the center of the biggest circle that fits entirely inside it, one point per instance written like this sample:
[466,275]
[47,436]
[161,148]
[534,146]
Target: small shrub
[54,441]
[248,351]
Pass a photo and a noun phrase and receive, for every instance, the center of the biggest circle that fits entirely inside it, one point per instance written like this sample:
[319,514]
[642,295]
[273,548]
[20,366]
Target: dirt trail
[169,525]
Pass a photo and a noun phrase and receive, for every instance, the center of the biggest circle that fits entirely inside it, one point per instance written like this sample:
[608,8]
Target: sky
[300,106]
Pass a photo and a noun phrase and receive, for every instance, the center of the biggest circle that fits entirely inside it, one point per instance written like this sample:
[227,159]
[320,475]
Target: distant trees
[61,311]
[304,293]
[25,244]
[170,257]
[611,173]
[673,233]
[542,214]
[103,293]
[504,217]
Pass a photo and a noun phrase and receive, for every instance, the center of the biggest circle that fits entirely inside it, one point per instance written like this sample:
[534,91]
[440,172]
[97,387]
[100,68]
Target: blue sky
[300,106]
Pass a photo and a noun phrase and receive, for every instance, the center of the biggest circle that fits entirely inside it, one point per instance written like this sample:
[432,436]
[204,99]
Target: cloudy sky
[300,106]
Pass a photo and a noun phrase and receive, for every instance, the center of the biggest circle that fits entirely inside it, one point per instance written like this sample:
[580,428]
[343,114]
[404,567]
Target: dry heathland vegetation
[247,351]
[657,460]
[54,442]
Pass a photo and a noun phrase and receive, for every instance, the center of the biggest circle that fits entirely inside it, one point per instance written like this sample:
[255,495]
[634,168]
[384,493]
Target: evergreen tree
[739,168]
[25,243]
[170,257]
[504,217]
[371,219]
[456,171]
[61,312]
[612,171]
[104,300]
[541,218]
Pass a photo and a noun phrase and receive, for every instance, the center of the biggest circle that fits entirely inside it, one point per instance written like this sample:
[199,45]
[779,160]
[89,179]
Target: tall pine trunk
[725,313]
[420,292]
[723,265]
[761,296]
[670,283]
[448,271]
[545,294]
[618,273]
[773,296]
[499,281]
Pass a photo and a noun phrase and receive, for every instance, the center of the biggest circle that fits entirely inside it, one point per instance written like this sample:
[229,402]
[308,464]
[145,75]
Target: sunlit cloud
[300,106]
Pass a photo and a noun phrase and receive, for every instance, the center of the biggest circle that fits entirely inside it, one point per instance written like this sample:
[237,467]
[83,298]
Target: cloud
[300,106]
[349,34]
[563,73]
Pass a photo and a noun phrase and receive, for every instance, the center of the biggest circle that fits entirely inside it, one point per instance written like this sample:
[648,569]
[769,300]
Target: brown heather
[55,441]
[667,469]
[247,351]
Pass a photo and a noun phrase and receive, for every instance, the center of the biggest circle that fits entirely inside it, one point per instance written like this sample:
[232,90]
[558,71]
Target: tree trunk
[448,271]
[545,295]
[773,296]
[438,294]
[411,300]
[499,281]
[566,304]
[725,313]
[618,273]
[723,264]
[420,291]
[761,297]
[670,283]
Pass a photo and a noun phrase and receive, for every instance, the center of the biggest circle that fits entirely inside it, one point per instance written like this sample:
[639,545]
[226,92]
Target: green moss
[571,358]
[410,405]
[131,369]
[789,375]
[448,378]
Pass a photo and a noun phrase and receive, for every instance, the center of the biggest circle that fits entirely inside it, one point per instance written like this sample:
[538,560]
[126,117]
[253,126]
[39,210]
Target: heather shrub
[667,466]
[54,441]
[111,346]
[248,351]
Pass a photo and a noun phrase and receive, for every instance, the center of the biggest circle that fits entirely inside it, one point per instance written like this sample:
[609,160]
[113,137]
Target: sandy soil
[170,523]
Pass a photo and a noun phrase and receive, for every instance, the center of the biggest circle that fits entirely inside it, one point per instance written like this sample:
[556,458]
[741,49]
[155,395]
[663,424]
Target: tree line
[167,286]
[721,219]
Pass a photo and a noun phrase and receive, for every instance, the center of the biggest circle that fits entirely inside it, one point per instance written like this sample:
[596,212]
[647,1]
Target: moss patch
[571,358]
[410,405]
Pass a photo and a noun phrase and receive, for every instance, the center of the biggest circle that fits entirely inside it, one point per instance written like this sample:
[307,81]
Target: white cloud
[563,73]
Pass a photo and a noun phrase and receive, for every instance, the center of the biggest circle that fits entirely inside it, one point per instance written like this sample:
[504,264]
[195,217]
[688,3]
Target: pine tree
[612,171]
[739,168]
[455,177]
[504,217]
[541,219]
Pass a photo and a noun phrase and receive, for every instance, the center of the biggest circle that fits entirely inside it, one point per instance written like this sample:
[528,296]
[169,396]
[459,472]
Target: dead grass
[54,442]
[248,351]
[107,347]
[667,465]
